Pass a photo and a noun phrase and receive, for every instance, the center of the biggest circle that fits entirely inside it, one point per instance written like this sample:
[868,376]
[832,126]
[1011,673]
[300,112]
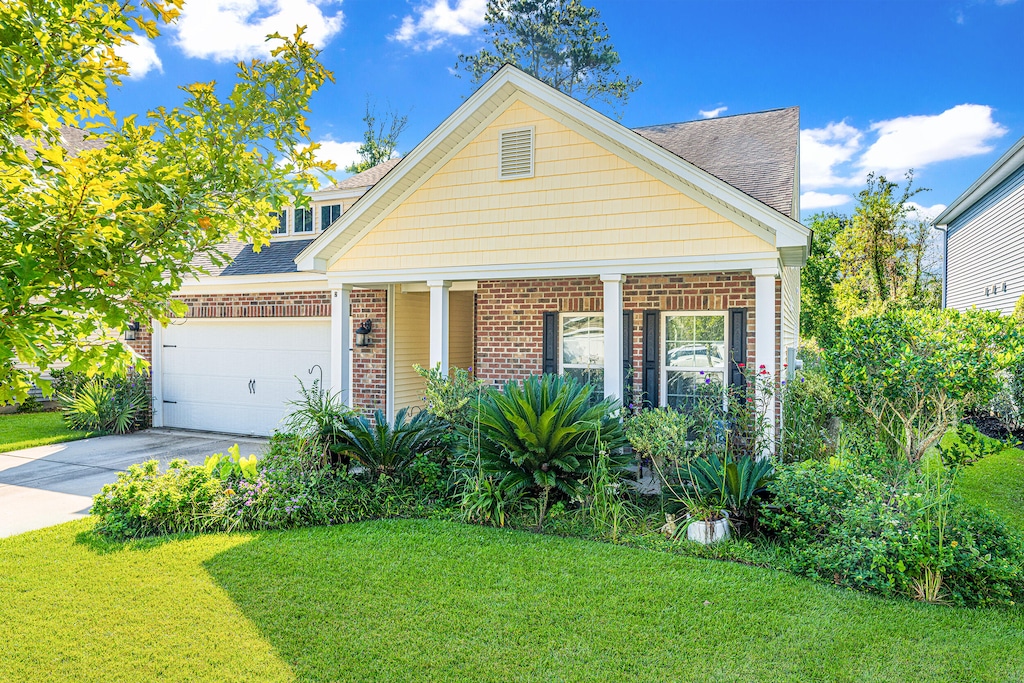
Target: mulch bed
[992,427]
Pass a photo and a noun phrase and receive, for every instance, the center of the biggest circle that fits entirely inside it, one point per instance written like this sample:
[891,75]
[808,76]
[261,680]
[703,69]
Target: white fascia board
[456,286]
[328,195]
[276,282]
[641,266]
[1006,165]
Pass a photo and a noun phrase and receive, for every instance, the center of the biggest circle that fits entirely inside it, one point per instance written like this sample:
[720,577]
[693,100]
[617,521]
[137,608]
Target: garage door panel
[207,367]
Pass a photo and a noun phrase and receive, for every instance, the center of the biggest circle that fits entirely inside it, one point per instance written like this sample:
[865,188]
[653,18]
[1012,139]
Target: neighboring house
[528,233]
[983,237]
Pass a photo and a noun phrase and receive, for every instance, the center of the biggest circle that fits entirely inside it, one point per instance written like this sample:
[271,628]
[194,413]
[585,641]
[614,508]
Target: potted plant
[706,520]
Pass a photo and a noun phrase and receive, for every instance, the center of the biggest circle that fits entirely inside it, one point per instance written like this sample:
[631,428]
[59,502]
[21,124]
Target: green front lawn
[25,430]
[997,483]
[432,600]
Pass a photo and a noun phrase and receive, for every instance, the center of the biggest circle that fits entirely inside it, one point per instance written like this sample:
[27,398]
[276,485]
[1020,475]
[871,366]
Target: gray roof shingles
[367,178]
[755,153]
[276,257]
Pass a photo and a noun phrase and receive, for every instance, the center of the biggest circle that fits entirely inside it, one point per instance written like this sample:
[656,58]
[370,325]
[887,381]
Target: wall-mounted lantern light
[363,333]
[132,331]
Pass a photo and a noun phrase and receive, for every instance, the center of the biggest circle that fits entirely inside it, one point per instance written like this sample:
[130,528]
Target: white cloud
[822,200]
[224,30]
[438,20]
[916,141]
[924,213]
[141,57]
[712,113]
[341,153]
[822,150]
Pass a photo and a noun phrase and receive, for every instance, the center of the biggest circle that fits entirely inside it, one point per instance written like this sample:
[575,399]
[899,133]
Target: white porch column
[439,323]
[765,340]
[341,340]
[613,360]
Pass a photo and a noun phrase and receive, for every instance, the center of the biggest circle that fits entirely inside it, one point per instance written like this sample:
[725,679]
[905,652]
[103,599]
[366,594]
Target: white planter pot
[708,532]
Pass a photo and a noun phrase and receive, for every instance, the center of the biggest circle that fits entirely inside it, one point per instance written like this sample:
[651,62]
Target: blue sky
[937,85]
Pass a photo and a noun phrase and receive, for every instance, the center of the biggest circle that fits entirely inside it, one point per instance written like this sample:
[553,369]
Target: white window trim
[287,222]
[561,326]
[533,153]
[663,354]
[318,217]
[312,219]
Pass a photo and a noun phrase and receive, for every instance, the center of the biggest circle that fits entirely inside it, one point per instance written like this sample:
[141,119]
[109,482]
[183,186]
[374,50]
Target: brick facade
[369,363]
[508,319]
[259,305]
[143,344]
[509,313]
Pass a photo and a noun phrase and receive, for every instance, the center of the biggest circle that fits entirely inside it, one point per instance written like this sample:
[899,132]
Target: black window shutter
[651,358]
[627,358]
[737,345]
[550,342]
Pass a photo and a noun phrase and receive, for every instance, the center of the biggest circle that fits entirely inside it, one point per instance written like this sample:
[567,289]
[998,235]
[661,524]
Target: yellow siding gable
[583,203]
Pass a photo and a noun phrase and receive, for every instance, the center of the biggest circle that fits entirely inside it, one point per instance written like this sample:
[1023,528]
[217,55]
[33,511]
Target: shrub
[543,435]
[965,445]
[282,494]
[912,373]
[658,432]
[119,405]
[450,398]
[143,501]
[810,417]
[907,535]
[387,449]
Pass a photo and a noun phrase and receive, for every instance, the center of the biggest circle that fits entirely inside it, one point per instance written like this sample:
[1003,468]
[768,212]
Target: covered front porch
[640,337]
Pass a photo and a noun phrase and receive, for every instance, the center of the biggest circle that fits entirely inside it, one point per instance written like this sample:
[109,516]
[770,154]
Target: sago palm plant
[383,448]
[544,435]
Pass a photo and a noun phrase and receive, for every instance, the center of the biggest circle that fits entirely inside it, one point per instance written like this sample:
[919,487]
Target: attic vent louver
[515,157]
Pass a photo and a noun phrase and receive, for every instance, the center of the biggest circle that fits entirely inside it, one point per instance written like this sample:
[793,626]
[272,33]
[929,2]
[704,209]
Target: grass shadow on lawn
[104,545]
[430,600]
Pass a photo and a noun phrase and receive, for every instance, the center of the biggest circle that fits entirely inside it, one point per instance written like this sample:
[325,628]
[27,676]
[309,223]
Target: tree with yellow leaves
[100,234]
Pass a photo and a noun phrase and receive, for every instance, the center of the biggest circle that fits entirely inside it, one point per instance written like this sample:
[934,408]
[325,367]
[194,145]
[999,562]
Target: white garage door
[236,376]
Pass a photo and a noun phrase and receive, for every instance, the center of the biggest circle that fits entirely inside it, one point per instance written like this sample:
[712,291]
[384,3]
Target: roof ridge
[718,118]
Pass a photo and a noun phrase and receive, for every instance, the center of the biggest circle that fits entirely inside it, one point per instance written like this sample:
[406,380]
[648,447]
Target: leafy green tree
[96,238]
[562,42]
[883,252]
[380,141]
[912,373]
[819,313]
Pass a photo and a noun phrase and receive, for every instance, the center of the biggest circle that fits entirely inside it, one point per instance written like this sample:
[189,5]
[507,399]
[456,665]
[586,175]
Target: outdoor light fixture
[132,332]
[363,333]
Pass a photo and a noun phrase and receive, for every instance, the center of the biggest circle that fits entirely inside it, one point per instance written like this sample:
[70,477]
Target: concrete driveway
[48,485]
